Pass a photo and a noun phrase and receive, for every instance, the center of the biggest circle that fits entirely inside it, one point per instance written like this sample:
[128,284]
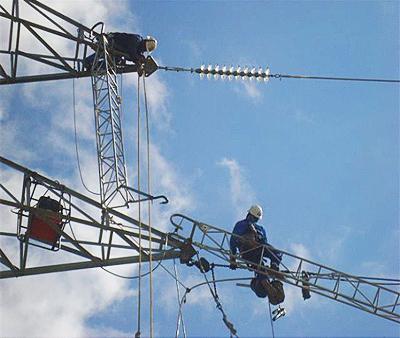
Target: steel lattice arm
[89,235]
[378,297]
[49,25]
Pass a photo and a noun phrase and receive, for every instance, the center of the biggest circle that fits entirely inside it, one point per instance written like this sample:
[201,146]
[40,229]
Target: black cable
[144,274]
[215,296]
[121,276]
[132,277]
[276,76]
[183,299]
[308,77]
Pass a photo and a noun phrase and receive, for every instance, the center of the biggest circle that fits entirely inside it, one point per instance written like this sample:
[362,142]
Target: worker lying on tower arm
[251,240]
[126,47]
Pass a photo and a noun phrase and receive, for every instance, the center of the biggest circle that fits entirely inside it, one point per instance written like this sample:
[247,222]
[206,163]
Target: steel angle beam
[372,295]
[90,236]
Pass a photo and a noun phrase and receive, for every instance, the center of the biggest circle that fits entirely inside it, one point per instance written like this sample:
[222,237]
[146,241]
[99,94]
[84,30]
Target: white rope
[137,334]
[270,318]
[149,203]
[180,321]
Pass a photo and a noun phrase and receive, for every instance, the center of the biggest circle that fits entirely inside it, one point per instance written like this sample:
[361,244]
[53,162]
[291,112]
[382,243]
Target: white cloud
[334,243]
[300,250]
[3,114]
[252,89]
[157,97]
[32,305]
[304,117]
[28,304]
[11,144]
[196,48]
[242,194]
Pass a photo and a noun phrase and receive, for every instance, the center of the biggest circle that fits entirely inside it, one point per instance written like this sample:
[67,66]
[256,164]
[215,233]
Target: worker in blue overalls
[251,241]
[133,46]
[126,47]
[251,236]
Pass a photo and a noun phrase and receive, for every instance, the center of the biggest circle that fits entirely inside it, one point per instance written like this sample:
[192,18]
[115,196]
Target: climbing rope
[271,321]
[180,321]
[149,203]
[76,142]
[137,334]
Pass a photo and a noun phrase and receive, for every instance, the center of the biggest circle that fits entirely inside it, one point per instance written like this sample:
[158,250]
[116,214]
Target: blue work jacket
[243,227]
[130,44]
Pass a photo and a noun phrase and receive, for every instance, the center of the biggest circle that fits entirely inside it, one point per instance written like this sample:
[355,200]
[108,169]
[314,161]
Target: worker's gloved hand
[140,69]
[274,266]
[233,264]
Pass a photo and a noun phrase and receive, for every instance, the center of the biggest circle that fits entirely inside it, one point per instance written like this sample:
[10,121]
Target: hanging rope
[121,96]
[137,334]
[76,141]
[214,294]
[180,321]
[183,299]
[270,318]
[149,203]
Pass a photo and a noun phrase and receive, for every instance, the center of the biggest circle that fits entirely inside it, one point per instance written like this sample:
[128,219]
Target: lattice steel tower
[109,139]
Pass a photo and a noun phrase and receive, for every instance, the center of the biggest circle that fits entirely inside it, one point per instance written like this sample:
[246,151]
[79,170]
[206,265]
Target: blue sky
[321,157]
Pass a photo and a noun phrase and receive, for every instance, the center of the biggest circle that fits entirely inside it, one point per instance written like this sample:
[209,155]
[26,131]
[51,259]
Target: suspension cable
[183,299]
[149,203]
[214,294]
[76,141]
[143,274]
[174,277]
[247,72]
[137,334]
[134,240]
[335,78]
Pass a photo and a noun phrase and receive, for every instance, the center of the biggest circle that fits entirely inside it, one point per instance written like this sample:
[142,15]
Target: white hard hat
[256,211]
[150,43]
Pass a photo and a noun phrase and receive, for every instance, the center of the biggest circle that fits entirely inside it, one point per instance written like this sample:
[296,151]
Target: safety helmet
[256,211]
[150,43]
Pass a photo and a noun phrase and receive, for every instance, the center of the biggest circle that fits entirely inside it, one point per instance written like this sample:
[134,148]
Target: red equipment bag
[40,227]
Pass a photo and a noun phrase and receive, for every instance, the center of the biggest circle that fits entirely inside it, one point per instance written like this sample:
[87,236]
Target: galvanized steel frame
[109,140]
[375,297]
[114,233]
[59,26]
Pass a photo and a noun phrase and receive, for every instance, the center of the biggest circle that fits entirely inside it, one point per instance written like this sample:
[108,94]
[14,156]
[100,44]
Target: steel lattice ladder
[109,139]
[372,295]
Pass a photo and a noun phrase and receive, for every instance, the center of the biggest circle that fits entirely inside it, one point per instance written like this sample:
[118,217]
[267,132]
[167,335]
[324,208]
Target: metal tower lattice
[107,113]
[374,295]
[80,235]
